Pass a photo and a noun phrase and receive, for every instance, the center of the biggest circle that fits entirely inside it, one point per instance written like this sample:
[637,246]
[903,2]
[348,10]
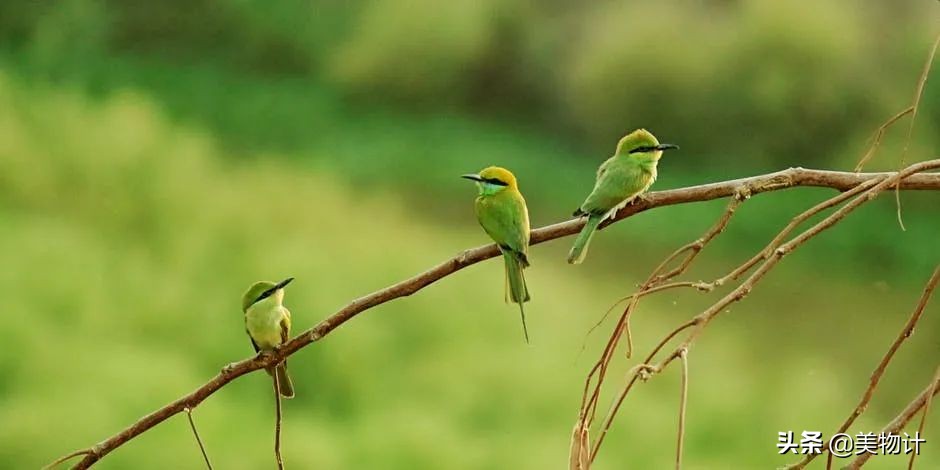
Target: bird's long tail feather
[580,248]
[518,292]
[283,380]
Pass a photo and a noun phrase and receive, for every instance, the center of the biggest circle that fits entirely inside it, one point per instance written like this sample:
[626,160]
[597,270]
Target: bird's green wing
[619,179]
[505,219]
[285,326]
[603,168]
[253,343]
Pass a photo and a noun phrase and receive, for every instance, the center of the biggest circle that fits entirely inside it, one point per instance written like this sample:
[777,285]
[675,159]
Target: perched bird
[620,179]
[501,211]
[267,322]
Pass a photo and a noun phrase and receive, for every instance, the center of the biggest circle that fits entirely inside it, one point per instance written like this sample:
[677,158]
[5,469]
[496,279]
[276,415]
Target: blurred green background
[158,157]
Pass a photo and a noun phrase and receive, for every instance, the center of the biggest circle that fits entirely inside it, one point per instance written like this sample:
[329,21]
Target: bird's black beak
[662,147]
[283,284]
[472,176]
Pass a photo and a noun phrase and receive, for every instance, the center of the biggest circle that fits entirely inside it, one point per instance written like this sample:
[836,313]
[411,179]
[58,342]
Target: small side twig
[918,93]
[277,423]
[580,448]
[202,448]
[683,401]
[923,416]
[879,371]
[776,181]
[879,135]
[794,222]
[62,459]
[653,284]
[704,318]
[898,423]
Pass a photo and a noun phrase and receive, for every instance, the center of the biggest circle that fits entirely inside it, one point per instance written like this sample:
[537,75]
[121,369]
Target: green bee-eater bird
[623,177]
[501,211]
[267,322]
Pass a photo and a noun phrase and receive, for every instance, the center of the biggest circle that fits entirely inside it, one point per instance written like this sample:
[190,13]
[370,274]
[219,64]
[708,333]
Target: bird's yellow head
[492,180]
[262,290]
[642,143]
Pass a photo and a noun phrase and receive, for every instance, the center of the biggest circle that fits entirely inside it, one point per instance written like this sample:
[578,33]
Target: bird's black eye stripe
[495,181]
[264,295]
[644,148]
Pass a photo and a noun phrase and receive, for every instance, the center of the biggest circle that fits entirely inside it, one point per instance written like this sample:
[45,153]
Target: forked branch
[766,259]
[793,177]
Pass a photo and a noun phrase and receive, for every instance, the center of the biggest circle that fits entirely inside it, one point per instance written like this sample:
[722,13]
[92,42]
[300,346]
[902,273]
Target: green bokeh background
[158,157]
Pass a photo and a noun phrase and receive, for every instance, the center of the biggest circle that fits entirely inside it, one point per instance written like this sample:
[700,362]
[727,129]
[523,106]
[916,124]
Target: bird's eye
[495,181]
[642,149]
[264,295]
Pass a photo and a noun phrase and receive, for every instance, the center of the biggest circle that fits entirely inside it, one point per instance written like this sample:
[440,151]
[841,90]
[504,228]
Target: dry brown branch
[898,423]
[879,371]
[601,367]
[55,463]
[683,402]
[793,177]
[652,284]
[918,93]
[923,415]
[580,442]
[202,448]
[277,423]
[701,320]
[785,232]
[878,136]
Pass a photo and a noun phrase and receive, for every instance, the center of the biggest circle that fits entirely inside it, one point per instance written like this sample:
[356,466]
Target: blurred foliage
[127,241]
[159,156]
[778,83]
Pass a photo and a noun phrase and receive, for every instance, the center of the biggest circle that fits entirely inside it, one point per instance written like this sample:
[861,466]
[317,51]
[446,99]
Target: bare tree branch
[793,177]
[55,463]
[915,105]
[923,415]
[700,321]
[878,136]
[202,448]
[277,422]
[879,371]
[898,423]
[652,285]
[683,403]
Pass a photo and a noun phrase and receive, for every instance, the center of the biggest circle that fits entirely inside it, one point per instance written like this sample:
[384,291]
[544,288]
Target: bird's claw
[266,353]
[639,199]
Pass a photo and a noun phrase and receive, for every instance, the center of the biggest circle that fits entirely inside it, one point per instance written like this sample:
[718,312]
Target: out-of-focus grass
[414,154]
[127,240]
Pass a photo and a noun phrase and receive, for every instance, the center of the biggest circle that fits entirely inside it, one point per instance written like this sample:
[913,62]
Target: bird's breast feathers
[264,324]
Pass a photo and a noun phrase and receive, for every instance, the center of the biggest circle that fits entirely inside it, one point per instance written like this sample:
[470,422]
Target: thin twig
[795,222]
[780,180]
[277,422]
[639,371]
[879,371]
[898,423]
[878,136]
[923,416]
[62,459]
[650,286]
[692,251]
[918,93]
[683,401]
[702,286]
[745,287]
[762,255]
[578,455]
[192,424]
